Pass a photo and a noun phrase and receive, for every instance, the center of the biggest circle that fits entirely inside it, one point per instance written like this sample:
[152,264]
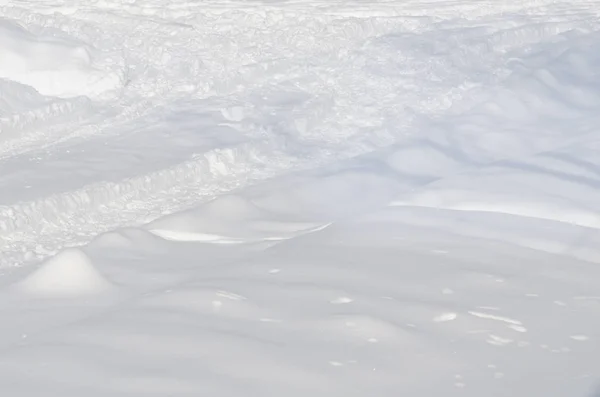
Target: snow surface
[247,198]
[51,65]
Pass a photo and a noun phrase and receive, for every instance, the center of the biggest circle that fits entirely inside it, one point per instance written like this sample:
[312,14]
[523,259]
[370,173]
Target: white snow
[68,273]
[52,65]
[235,198]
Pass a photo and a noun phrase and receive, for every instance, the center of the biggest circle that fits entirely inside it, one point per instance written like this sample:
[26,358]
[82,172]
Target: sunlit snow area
[300,198]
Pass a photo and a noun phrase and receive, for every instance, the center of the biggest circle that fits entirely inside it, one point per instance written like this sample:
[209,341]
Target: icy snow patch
[53,66]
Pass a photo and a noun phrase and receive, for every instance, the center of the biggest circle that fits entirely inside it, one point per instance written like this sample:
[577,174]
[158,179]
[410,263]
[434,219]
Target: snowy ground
[291,198]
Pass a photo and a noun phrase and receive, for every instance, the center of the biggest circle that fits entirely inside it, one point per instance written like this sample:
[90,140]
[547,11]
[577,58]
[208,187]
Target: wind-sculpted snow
[383,303]
[534,140]
[215,98]
[235,198]
[53,66]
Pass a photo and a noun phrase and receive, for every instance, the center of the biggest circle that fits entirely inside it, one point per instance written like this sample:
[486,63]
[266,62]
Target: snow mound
[53,66]
[229,219]
[233,206]
[127,238]
[112,240]
[70,272]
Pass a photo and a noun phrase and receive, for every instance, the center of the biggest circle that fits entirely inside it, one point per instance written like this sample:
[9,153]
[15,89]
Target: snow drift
[54,66]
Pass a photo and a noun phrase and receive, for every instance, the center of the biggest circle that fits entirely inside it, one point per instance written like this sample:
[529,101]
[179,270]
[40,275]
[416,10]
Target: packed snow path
[290,198]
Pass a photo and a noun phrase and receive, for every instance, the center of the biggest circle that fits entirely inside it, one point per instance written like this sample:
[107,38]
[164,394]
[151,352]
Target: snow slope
[258,199]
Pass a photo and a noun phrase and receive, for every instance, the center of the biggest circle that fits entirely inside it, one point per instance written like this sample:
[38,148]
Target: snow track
[219,95]
[239,198]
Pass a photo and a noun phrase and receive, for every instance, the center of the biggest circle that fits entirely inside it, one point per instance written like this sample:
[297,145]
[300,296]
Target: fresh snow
[70,272]
[267,198]
[51,65]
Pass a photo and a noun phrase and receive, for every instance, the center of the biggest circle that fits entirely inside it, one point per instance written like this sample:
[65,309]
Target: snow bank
[53,66]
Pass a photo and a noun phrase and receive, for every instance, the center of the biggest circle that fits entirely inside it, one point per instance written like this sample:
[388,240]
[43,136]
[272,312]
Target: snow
[299,198]
[54,66]
[228,219]
[69,273]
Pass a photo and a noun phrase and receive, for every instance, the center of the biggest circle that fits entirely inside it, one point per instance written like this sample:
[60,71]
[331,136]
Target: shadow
[585,165]
[536,169]
[595,391]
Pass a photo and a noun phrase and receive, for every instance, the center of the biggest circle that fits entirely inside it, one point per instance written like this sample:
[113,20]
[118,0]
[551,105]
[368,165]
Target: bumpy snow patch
[70,272]
[53,66]
[230,219]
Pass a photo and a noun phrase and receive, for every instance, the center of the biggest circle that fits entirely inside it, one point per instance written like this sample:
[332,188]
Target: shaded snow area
[300,198]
